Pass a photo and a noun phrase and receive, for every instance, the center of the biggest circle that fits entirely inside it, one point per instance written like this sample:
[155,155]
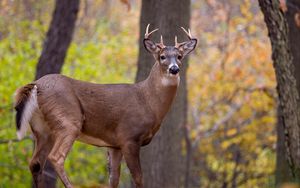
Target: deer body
[122,117]
[107,114]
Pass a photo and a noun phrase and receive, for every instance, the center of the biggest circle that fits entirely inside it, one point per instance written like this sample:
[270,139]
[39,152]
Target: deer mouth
[173,75]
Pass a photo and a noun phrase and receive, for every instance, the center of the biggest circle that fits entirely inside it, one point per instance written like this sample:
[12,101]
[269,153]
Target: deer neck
[160,90]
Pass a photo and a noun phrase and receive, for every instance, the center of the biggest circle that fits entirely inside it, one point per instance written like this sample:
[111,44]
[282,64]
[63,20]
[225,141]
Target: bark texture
[56,44]
[283,173]
[162,160]
[294,36]
[286,83]
[59,37]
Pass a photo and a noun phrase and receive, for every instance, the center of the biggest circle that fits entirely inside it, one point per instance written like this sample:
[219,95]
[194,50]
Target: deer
[122,117]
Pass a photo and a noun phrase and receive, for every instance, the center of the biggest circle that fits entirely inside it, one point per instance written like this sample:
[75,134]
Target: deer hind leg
[42,148]
[43,145]
[114,164]
[63,141]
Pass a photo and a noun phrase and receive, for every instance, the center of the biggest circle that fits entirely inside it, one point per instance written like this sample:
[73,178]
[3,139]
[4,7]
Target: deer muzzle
[174,69]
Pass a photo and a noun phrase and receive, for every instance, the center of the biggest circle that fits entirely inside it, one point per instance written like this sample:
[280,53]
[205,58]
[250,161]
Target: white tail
[30,106]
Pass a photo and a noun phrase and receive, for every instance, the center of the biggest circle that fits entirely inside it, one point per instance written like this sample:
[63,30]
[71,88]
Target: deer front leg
[114,164]
[131,152]
[62,145]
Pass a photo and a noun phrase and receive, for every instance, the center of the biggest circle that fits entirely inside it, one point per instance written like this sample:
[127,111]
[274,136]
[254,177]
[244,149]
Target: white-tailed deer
[122,117]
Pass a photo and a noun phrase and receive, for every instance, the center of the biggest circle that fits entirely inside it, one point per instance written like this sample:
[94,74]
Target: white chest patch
[170,80]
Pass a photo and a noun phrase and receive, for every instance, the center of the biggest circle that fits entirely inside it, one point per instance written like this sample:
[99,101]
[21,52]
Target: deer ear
[187,47]
[151,46]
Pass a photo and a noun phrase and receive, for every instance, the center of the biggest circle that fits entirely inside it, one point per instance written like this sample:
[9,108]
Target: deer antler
[147,35]
[161,44]
[187,32]
[161,39]
[176,43]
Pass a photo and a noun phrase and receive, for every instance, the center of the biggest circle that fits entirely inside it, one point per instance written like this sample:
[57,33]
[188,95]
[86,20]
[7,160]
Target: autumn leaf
[127,3]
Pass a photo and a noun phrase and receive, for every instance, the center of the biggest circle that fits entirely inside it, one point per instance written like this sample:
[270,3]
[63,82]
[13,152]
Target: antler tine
[152,32]
[188,33]
[176,42]
[147,34]
[161,44]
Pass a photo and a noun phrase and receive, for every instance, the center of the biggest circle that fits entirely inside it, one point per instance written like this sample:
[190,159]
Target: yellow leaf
[231,132]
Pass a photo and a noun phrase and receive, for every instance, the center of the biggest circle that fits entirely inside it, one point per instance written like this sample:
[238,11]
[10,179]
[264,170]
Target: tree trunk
[56,44]
[294,36]
[162,160]
[289,103]
[59,37]
[283,173]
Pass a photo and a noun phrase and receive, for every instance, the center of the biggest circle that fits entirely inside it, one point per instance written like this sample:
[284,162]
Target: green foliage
[107,59]
[17,65]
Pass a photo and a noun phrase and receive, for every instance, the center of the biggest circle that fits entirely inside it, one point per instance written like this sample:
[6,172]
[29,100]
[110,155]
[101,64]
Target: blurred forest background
[231,116]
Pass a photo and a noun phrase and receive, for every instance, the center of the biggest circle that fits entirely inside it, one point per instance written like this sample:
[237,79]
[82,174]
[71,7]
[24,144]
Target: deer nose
[174,69]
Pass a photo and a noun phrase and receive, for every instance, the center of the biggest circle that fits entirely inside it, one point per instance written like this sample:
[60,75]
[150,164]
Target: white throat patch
[170,80]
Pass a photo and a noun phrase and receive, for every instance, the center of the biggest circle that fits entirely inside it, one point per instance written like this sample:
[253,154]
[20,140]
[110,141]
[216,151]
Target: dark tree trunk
[162,159]
[56,44]
[289,103]
[283,174]
[294,36]
[59,37]
[283,171]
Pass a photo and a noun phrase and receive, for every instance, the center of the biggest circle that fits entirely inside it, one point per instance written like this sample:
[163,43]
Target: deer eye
[162,57]
[179,57]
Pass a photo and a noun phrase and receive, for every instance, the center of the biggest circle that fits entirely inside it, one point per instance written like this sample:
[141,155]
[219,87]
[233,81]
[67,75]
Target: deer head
[169,57]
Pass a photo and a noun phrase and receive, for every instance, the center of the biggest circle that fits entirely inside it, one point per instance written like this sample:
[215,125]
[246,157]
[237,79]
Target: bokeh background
[231,87]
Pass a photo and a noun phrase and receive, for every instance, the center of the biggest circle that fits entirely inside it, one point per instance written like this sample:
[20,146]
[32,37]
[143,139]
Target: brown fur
[22,94]
[123,117]
[113,112]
